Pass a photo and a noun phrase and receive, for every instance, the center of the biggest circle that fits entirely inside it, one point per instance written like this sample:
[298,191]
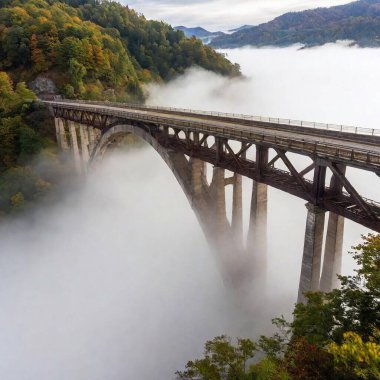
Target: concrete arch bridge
[262,149]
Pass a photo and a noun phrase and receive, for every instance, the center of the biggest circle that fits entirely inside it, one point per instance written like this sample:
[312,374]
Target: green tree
[352,308]
[356,356]
[77,72]
[222,360]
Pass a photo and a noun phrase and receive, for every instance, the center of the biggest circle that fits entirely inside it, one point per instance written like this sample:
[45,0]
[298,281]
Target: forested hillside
[26,131]
[86,49]
[358,21]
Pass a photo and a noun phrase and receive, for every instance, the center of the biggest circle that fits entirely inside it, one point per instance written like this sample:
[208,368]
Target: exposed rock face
[43,86]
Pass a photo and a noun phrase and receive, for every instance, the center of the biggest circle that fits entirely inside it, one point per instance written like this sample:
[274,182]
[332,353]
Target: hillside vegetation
[26,131]
[89,46]
[86,49]
[358,21]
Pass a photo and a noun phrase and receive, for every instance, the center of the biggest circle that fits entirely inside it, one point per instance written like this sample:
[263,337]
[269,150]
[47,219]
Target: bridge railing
[262,119]
[358,155]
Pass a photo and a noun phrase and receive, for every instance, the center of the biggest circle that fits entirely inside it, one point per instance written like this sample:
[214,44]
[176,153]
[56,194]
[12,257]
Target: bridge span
[246,146]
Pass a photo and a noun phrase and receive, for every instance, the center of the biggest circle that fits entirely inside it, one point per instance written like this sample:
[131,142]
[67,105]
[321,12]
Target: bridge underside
[186,151]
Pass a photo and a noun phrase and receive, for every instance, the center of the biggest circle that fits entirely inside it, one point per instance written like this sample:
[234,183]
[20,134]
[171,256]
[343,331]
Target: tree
[356,356]
[223,360]
[77,72]
[6,91]
[38,57]
[18,201]
[305,361]
[352,308]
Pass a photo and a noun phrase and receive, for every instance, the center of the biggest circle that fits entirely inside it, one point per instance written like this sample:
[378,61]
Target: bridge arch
[236,266]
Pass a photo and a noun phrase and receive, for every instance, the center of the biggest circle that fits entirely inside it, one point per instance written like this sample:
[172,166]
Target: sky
[217,15]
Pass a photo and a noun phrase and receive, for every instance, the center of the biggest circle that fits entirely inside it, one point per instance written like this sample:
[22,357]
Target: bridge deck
[359,150]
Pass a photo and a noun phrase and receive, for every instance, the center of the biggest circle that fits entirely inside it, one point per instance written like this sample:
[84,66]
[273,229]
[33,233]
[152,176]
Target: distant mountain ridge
[199,32]
[241,28]
[358,21]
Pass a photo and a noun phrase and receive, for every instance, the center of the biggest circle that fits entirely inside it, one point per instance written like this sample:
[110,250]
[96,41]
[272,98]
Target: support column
[57,132]
[91,139]
[84,146]
[332,261]
[312,252]
[257,234]
[219,198]
[196,138]
[196,177]
[237,208]
[74,147]
[62,135]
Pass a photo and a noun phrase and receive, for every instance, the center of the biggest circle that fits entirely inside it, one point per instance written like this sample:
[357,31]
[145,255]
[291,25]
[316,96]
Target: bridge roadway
[358,150]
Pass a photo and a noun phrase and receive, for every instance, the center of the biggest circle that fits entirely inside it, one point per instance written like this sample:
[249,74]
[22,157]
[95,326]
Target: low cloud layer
[331,84]
[116,282]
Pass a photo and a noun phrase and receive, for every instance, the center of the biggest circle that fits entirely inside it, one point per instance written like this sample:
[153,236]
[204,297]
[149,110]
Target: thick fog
[117,282]
[330,84]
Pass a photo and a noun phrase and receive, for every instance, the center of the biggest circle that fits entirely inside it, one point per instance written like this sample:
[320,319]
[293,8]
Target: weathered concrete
[197,177]
[62,135]
[312,252]
[332,261]
[84,143]
[257,233]
[237,208]
[74,147]
[91,139]
[57,132]
[219,200]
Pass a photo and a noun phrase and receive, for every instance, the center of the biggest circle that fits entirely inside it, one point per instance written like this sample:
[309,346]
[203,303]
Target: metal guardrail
[363,156]
[279,121]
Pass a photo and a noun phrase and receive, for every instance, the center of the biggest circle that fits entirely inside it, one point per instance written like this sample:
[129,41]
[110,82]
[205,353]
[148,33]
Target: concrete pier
[197,169]
[332,261]
[84,144]
[312,252]
[74,147]
[257,234]
[91,139]
[237,208]
[57,132]
[61,131]
[219,200]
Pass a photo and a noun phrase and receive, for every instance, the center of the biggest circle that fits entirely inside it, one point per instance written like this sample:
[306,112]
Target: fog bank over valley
[117,281]
[329,84]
